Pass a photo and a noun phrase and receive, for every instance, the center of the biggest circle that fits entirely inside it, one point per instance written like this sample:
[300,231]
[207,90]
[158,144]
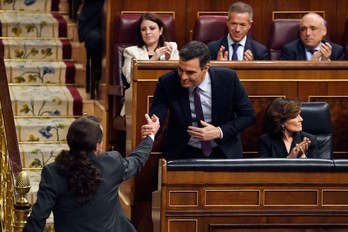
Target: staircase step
[36,49]
[78,52]
[63,6]
[38,5]
[41,101]
[80,75]
[42,129]
[72,31]
[36,155]
[40,72]
[32,25]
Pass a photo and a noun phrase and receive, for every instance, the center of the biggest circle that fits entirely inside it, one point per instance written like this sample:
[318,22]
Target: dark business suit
[270,147]
[295,50]
[232,111]
[259,51]
[102,213]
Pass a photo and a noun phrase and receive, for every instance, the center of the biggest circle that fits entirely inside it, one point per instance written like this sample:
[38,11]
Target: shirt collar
[317,48]
[230,41]
[205,84]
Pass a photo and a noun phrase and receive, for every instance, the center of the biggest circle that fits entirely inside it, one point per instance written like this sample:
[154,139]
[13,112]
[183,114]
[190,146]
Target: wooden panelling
[335,197]
[227,198]
[288,200]
[291,197]
[276,228]
[183,198]
[180,225]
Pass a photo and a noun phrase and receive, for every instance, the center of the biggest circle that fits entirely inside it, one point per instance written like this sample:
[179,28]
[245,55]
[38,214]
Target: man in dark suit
[311,45]
[208,108]
[237,45]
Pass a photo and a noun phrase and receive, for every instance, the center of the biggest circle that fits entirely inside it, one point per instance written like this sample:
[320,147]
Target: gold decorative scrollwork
[7,198]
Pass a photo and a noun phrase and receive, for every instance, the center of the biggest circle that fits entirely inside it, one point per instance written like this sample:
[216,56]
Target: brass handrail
[7,198]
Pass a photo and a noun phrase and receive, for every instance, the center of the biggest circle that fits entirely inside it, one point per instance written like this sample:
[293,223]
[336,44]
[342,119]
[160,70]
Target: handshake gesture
[300,150]
[151,127]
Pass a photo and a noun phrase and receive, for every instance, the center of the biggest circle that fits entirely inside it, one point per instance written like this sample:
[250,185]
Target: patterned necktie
[235,48]
[206,146]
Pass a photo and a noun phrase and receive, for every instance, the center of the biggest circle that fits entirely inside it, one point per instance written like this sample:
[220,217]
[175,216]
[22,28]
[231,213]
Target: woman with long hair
[81,186]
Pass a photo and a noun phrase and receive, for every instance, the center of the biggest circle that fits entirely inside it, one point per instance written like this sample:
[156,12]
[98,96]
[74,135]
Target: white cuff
[221,134]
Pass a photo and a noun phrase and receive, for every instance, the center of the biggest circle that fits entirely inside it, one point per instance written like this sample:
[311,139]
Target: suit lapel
[216,94]
[302,51]
[225,44]
[247,44]
[185,103]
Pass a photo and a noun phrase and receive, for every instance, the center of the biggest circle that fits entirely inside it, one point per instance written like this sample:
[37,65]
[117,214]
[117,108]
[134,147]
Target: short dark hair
[241,7]
[84,133]
[280,110]
[156,19]
[195,49]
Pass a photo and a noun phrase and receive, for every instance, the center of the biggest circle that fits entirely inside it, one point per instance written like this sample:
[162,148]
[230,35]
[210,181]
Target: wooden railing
[252,195]
[10,163]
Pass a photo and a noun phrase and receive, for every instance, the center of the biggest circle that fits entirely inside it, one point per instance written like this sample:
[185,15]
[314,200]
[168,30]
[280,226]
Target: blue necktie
[235,48]
[206,146]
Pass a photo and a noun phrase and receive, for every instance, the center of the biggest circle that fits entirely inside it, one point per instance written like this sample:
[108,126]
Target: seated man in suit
[208,108]
[311,45]
[237,45]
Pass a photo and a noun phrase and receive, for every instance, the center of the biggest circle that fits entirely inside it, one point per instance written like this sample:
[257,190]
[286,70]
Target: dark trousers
[94,48]
[196,153]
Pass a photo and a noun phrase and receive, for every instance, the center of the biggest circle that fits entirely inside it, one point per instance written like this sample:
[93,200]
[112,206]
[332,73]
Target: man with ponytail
[81,186]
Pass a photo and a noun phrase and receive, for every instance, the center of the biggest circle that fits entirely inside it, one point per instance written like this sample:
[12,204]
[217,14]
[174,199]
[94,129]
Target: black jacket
[259,51]
[295,50]
[231,110]
[270,147]
[104,212]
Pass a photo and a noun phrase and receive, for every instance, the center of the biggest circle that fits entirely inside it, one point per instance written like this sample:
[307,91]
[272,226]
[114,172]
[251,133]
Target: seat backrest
[282,31]
[317,121]
[345,42]
[209,28]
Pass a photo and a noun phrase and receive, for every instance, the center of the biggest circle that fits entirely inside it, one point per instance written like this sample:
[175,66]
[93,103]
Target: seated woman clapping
[152,44]
[284,137]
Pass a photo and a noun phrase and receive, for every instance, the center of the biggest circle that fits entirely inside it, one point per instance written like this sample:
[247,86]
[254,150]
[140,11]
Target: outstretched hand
[151,127]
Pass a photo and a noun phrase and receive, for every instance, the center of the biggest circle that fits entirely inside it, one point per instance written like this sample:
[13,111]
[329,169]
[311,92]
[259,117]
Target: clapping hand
[324,53]
[300,150]
[248,55]
[151,127]
[166,50]
[222,54]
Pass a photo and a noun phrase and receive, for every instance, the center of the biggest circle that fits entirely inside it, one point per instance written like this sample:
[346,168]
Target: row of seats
[207,28]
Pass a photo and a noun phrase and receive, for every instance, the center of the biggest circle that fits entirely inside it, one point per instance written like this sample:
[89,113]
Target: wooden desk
[263,81]
[251,200]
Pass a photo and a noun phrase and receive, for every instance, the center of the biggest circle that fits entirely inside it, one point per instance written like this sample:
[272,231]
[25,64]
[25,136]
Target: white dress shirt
[240,49]
[309,54]
[205,95]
